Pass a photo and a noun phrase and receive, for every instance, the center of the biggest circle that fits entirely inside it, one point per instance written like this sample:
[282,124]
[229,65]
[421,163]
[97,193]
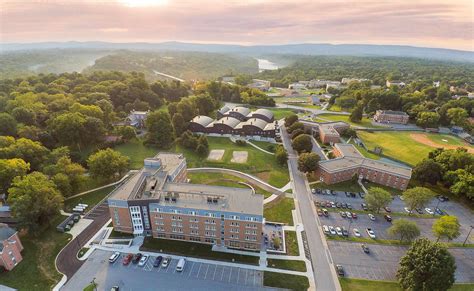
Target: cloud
[438,23]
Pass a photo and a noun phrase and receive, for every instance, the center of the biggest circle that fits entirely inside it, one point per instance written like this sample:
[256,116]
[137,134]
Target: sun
[143,3]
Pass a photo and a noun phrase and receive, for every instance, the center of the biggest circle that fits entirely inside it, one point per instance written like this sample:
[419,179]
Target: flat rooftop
[348,150]
[390,112]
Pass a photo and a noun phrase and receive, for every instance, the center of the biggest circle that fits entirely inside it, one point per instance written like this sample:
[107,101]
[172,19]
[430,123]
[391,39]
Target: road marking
[246,274]
[231,271]
[207,270]
[238,274]
[215,270]
[200,266]
[192,267]
[222,276]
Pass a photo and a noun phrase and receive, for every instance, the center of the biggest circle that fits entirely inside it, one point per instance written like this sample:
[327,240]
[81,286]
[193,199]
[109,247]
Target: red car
[127,259]
[354,215]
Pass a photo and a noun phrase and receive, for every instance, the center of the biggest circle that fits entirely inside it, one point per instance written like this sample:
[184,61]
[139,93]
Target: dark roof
[5,233]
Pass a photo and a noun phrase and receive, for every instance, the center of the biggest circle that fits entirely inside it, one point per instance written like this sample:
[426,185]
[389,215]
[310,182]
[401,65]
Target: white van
[180,265]
[114,257]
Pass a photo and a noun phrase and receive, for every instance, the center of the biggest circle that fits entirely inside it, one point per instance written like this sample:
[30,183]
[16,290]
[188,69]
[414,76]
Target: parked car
[114,257]
[344,205]
[429,210]
[439,211]
[388,218]
[443,198]
[364,206]
[166,262]
[361,195]
[325,212]
[354,215]
[340,270]
[371,216]
[343,214]
[387,209]
[328,204]
[349,206]
[332,192]
[338,204]
[320,213]
[333,205]
[143,260]
[180,265]
[339,231]
[365,249]
[356,232]
[353,195]
[348,214]
[347,194]
[115,288]
[127,259]
[407,210]
[401,197]
[157,261]
[326,229]
[318,190]
[370,232]
[419,210]
[313,191]
[332,230]
[344,231]
[136,258]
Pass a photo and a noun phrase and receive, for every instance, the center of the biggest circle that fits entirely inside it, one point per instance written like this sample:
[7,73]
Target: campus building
[349,162]
[330,132]
[10,247]
[238,121]
[389,116]
[137,118]
[158,202]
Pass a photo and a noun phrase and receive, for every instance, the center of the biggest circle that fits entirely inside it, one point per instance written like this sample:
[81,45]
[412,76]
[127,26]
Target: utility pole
[472,226]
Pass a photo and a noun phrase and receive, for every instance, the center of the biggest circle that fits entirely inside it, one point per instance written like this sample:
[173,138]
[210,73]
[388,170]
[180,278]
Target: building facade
[137,118]
[10,247]
[349,162]
[330,133]
[159,202]
[389,116]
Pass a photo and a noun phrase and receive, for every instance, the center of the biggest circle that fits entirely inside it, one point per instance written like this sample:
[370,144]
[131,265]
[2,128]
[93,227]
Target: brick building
[158,202]
[350,161]
[389,116]
[331,132]
[10,247]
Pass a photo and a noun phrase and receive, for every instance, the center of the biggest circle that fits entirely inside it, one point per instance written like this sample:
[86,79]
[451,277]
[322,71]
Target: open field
[291,243]
[367,285]
[287,265]
[259,164]
[342,186]
[280,211]
[280,113]
[287,281]
[365,122]
[441,141]
[289,100]
[90,199]
[37,270]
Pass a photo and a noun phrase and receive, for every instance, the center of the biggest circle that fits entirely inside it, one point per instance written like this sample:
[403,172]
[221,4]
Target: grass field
[90,199]
[365,122]
[280,211]
[219,179]
[287,265]
[280,113]
[191,249]
[287,281]
[365,153]
[451,140]
[37,270]
[398,145]
[259,164]
[291,243]
[343,186]
[366,285]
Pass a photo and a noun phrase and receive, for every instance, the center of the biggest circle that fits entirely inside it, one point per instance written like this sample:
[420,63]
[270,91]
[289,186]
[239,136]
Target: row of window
[208,214]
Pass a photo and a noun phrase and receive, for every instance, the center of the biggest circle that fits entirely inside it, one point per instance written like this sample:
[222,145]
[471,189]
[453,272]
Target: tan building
[10,247]
[158,202]
[389,116]
[331,132]
[350,161]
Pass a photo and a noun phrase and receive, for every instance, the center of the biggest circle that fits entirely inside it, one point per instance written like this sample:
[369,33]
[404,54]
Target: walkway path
[102,187]
[257,147]
[167,76]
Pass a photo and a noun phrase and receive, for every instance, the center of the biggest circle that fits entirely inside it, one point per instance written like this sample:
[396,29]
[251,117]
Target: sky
[426,23]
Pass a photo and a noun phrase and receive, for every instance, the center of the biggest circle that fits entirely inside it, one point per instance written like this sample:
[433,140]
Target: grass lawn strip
[291,243]
[287,281]
[37,270]
[368,285]
[196,250]
[90,287]
[280,211]
[299,266]
[365,122]
[348,186]
[90,199]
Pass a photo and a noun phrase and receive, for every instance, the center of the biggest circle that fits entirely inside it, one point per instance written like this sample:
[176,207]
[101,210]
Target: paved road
[317,149]
[324,274]
[67,262]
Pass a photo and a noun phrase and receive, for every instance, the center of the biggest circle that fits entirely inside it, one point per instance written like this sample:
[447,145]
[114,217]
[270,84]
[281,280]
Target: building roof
[242,110]
[202,120]
[224,109]
[348,150]
[5,233]
[229,121]
[391,112]
[239,200]
[265,112]
[255,122]
[328,129]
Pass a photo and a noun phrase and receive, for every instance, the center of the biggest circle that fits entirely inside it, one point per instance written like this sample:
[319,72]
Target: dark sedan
[157,261]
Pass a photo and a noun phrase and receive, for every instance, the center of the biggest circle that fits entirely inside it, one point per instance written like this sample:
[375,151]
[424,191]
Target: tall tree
[417,197]
[428,119]
[308,162]
[404,229]
[289,120]
[107,164]
[8,124]
[33,200]
[281,155]
[356,114]
[428,171]
[426,266]
[179,124]
[9,169]
[159,130]
[302,143]
[457,116]
[377,198]
[446,227]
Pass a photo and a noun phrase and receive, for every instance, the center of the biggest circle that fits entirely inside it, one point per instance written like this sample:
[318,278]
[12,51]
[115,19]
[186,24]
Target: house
[389,116]
[158,202]
[10,247]
[315,99]
[296,86]
[330,132]
[262,85]
[389,83]
[334,84]
[351,80]
[137,118]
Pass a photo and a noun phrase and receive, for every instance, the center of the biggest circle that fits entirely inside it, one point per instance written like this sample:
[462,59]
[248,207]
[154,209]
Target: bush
[240,142]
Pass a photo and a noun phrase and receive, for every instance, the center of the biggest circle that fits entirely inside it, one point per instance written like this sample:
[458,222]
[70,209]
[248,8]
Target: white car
[401,197]
[143,260]
[348,214]
[333,204]
[339,231]
[407,210]
[429,210]
[371,216]
[371,233]
[166,262]
[313,191]
[332,230]
[114,257]
[325,229]
[356,232]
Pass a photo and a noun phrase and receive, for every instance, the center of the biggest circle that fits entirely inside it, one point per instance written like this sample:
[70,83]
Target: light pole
[434,210]
[94,284]
[472,226]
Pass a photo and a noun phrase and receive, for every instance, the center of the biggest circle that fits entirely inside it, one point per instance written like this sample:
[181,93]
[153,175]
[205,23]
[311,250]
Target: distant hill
[301,49]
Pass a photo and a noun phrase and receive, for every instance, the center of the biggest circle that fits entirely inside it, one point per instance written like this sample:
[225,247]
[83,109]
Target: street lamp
[472,226]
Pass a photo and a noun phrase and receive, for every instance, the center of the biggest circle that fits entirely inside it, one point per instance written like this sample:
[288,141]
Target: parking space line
[215,270]
[230,275]
[222,276]
[207,270]
[238,275]
[200,266]
[192,267]
[205,277]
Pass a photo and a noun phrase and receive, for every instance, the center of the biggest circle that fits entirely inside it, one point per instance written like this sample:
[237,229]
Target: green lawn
[37,270]
[335,108]
[280,211]
[291,243]
[196,250]
[398,145]
[365,122]
[90,287]
[259,164]
[90,199]
[343,186]
[365,153]
[391,190]
[287,265]
[451,140]
[116,234]
[367,285]
[286,281]
[265,145]
[288,100]
[281,113]
[219,179]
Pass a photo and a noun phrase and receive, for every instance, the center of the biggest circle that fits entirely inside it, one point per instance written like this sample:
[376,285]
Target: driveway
[195,276]
[383,261]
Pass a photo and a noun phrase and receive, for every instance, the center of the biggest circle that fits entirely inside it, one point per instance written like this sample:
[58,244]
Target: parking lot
[380,225]
[195,276]
[382,261]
